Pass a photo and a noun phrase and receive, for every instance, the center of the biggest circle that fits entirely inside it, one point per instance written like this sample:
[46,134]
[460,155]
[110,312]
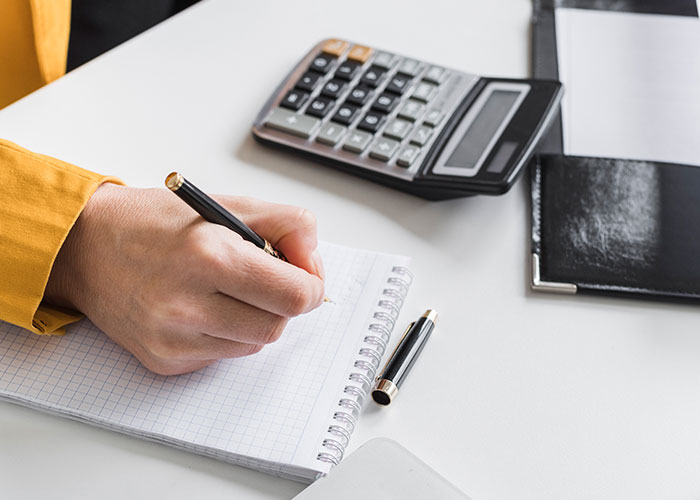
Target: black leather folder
[611,226]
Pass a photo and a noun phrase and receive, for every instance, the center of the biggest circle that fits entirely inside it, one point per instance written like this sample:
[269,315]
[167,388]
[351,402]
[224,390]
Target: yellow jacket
[40,197]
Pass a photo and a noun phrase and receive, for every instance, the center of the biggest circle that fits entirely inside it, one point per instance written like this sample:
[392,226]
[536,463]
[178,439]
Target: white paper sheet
[632,85]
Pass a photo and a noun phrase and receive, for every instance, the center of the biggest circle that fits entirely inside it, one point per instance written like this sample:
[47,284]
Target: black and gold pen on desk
[402,359]
[213,212]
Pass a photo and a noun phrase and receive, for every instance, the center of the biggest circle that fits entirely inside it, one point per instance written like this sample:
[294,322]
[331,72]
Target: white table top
[517,395]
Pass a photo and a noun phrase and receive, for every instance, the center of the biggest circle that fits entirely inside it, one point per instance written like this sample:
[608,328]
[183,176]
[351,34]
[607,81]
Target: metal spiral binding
[366,366]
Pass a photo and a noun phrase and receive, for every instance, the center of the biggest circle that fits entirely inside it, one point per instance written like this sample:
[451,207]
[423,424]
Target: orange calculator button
[334,47]
[360,53]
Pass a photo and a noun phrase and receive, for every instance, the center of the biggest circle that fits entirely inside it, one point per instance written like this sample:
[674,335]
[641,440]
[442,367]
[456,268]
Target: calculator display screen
[480,133]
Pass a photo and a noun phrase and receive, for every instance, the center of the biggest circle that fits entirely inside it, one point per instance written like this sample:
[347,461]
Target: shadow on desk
[431,220]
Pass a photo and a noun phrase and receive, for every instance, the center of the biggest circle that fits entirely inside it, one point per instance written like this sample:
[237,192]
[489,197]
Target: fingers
[218,315]
[292,230]
[240,270]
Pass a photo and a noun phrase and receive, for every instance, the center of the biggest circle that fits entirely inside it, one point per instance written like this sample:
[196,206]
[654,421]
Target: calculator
[415,126]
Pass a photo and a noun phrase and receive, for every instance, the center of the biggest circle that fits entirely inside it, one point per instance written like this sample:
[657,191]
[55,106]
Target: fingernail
[318,264]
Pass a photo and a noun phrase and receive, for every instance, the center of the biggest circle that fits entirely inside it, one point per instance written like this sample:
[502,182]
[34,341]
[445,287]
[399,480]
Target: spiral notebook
[289,410]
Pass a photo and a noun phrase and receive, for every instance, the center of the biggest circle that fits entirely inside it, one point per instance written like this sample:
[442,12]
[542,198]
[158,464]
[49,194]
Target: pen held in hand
[213,212]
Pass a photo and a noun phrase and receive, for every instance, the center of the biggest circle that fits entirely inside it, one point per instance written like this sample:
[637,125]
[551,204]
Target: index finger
[291,230]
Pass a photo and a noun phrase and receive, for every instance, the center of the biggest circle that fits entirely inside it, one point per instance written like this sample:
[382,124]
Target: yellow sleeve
[34,38]
[40,200]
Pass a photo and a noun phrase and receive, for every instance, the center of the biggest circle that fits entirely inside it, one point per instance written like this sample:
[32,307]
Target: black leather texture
[618,226]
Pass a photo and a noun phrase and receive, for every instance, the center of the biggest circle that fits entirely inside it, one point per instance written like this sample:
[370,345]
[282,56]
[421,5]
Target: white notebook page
[632,85]
[273,406]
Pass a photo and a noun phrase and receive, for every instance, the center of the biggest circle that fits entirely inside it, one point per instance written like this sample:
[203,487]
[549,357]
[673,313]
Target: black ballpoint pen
[212,212]
[403,357]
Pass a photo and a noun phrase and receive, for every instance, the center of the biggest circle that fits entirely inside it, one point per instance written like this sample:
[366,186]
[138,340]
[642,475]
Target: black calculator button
[333,88]
[294,99]
[372,121]
[346,114]
[386,103]
[373,76]
[360,95]
[308,81]
[320,107]
[348,70]
[398,84]
[322,63]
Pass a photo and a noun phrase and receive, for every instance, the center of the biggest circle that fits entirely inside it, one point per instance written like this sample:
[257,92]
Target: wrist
[66,284]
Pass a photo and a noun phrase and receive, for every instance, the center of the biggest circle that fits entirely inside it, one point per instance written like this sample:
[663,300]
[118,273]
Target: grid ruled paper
[253,410]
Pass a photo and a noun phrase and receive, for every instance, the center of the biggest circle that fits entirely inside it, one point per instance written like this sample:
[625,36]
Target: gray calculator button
[424,91]
[331,134]
[383,149]
[384,60]
[407,155]
[357,141]
[292,123]
[435,74]
[433,117]
[398,129]
[411,110]
[421,135]
[409,67]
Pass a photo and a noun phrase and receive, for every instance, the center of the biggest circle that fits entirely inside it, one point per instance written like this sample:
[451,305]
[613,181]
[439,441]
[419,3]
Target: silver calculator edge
[458,86]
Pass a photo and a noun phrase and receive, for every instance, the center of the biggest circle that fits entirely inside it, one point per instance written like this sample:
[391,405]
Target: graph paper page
[259,406]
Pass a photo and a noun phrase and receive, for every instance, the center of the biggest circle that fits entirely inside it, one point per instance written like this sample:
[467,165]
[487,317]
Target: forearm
[40,200]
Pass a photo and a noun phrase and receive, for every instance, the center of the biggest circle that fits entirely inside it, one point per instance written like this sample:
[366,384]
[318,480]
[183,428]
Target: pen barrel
[211,211]
[406,353]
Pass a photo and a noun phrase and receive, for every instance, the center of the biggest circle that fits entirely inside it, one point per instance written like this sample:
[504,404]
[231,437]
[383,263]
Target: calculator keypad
[368,107]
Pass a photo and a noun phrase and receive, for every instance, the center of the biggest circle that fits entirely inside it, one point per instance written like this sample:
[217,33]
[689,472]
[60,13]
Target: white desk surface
[517,395]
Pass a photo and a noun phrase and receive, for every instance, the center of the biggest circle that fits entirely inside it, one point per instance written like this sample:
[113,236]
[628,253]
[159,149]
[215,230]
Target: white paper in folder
[632,85]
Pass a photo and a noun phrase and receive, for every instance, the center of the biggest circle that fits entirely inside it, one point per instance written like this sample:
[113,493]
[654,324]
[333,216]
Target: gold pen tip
[174,181]
[431,314]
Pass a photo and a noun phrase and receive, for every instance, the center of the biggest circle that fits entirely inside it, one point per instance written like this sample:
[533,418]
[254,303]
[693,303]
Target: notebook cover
[616,227]
[610,226]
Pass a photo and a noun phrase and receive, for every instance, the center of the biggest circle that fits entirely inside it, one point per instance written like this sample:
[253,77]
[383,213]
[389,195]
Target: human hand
[179,292]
